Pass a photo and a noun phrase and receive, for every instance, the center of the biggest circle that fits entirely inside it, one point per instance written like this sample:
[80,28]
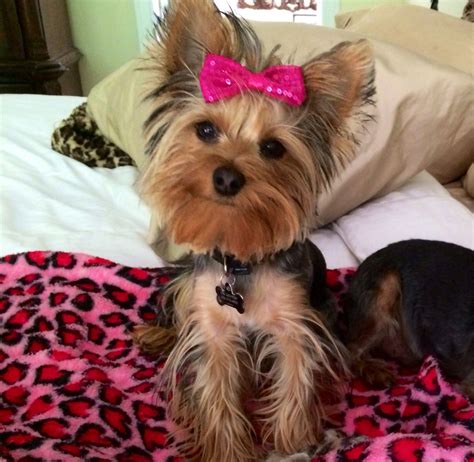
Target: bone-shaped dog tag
[227,296]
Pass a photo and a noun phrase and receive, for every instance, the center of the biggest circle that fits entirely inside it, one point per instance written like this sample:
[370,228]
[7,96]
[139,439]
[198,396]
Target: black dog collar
[231,264]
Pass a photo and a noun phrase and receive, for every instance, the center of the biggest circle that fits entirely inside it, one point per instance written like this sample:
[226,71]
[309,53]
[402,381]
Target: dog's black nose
[228,181]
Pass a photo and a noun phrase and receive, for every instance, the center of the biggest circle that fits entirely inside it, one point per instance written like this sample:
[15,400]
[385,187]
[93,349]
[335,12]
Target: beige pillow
[437,36]
[345,19]
[423,114]
[116,104]
[468,181]
[457,191]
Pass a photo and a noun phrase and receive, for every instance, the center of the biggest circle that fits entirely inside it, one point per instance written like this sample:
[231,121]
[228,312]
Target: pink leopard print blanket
[73,387]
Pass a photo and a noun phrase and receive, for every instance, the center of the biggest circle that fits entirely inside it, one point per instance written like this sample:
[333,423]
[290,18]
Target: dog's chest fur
[269,297]
[286,289]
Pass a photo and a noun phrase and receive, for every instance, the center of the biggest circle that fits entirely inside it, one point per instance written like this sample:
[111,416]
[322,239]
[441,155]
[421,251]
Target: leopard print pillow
[79,137]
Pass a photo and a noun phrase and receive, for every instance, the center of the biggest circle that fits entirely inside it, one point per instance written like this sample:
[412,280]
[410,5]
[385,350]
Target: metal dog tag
[227,296]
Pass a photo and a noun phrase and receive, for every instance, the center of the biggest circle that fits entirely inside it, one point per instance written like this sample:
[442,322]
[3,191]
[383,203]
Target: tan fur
[264,217]
[340,74]
[155,340]
[384,314]
[292,359]
[388,298]
[277,205]
[212,358]
[207,25]
[304,364]
[208,353]
[383,333]
[337,79]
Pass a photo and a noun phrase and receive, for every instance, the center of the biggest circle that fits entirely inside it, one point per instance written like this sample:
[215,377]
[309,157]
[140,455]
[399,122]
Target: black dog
[411,299]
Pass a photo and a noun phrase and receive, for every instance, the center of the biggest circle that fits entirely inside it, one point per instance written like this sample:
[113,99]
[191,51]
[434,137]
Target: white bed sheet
[51,202]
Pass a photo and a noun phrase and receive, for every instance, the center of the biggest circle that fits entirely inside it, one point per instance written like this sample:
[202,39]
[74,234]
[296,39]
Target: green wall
[452,7]
[108,33]
[330,9]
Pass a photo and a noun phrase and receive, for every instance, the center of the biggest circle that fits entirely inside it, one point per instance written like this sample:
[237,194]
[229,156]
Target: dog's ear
[340,95]
[189,30]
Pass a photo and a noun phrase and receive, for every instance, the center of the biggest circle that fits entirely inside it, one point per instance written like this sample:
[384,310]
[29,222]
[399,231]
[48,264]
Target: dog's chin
[204,224]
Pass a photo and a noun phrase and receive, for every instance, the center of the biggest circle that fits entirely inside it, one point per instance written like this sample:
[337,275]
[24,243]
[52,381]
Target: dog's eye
[207,131]
[272,149]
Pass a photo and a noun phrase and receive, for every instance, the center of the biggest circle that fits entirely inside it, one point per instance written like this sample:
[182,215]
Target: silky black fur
[435,315]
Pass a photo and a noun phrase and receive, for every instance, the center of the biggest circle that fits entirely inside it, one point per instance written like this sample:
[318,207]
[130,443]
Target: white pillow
[335,251]
[421,209]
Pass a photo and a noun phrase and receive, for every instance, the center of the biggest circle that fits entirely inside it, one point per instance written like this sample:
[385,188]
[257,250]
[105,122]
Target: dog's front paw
[374,372]
[154,340]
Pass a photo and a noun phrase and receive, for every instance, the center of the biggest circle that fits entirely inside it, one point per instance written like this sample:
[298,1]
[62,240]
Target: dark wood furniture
[36,50]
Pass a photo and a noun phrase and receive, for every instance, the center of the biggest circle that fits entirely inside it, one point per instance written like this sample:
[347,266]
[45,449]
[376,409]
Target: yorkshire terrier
[411,299]
[239,147]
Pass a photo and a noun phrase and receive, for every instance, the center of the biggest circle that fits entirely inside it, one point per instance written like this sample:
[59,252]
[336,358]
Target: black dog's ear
[340,92]
[189,30]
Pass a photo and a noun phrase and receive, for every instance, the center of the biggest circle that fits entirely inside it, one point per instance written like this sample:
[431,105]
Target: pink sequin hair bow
[222,78]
